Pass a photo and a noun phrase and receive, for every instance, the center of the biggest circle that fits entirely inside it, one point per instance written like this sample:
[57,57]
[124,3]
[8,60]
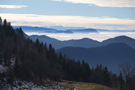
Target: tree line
[34,61]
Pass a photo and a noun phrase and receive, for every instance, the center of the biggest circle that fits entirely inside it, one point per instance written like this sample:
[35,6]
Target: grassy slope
[85,86]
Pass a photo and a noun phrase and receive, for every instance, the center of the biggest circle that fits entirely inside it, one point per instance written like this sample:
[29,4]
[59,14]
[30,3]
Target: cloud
[70,21]
[95,36]
[104,3]
[12,6]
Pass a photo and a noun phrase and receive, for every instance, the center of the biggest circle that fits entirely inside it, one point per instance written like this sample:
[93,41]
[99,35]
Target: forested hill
[111,55]
[24,59]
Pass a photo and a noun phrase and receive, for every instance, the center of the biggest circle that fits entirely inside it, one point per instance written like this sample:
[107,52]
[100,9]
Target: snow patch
[3,68]
[25,85]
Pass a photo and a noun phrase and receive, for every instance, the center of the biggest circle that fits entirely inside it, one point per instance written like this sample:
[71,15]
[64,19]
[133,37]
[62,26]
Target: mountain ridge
[52,30]
[59,44]
[111,55]
[84,42]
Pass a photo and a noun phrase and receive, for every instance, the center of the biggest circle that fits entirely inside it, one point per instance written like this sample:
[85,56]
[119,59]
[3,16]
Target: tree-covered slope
[111,55]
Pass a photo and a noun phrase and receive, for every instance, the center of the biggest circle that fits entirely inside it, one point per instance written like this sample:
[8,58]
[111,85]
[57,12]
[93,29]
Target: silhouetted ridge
[111,55]
[120,39]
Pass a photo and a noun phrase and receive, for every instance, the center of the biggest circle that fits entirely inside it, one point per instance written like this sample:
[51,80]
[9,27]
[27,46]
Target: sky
[98,14]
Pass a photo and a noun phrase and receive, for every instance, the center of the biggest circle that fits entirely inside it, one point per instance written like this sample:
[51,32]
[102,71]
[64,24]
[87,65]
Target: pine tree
[51,52]
[37,42]
[40,49]
[121,81]
[21,34]
[0,22]
[5,22]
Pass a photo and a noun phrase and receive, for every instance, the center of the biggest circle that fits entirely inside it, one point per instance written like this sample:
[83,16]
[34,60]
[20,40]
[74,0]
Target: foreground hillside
[52,85]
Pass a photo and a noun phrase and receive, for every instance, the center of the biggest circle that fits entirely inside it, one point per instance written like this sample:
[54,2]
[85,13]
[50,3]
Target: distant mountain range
[98,30]
[62,29]
[105,30]
[65,28]
[120,39]
[51,30]
[85,42]
[111,55]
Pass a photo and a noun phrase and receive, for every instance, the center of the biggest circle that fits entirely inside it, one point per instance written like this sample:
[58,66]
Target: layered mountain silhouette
[52,30]
[65,28]
[42,30]
[122,39]
[111,55]
[85,42]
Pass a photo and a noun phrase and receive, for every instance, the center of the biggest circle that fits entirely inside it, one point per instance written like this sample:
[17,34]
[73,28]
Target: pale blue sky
[47,7]
[101,14]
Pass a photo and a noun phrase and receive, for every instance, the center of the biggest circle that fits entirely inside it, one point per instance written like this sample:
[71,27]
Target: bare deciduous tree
[127,69]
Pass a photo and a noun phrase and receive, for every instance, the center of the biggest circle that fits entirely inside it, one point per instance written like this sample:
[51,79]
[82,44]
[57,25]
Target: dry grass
[85,86]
